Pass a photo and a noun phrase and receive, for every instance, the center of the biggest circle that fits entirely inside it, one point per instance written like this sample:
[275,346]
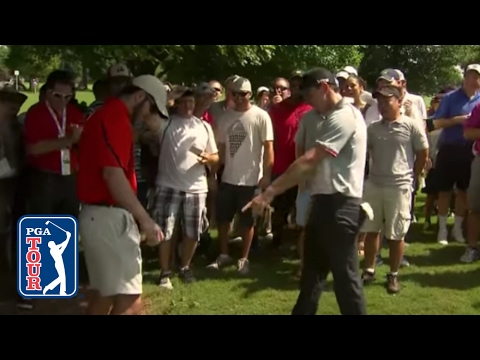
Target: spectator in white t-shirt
[245,140]
[188,147]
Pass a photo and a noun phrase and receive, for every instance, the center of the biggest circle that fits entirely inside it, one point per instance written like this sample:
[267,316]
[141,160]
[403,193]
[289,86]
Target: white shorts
[391,210]
[303,207]
[111,242]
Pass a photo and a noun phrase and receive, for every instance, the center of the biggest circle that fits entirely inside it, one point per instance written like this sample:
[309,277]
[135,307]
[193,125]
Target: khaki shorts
[391,210]
[474,188]
[111,242]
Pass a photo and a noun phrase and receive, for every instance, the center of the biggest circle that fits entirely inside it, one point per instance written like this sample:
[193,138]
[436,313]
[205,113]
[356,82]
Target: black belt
[104,205]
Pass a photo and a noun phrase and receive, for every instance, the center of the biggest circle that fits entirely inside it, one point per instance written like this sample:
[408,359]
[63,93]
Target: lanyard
[61,130]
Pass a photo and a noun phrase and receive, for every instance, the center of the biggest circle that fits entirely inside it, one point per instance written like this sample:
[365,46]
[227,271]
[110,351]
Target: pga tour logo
[47,257]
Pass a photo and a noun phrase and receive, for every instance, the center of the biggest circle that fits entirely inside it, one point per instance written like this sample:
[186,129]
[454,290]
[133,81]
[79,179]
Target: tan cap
[119,70]
[350,70]
[232,79]
[343,75]
[242,85]
[473,67]
[156,89]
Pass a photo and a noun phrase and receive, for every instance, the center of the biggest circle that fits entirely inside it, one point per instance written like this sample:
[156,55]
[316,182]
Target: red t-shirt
[40,126]
[107,141]
[207,117]
[285,120]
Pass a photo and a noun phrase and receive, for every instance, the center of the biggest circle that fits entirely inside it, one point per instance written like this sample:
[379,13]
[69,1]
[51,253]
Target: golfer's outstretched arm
[63,245]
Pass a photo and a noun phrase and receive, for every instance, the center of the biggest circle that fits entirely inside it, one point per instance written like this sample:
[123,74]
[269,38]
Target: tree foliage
[426,66]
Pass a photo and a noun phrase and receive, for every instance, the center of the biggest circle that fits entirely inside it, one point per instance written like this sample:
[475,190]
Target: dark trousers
[282,205]
[52,194]
[331,246]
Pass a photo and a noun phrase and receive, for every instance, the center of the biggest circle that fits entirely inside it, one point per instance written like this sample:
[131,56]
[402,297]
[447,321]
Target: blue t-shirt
[456,103]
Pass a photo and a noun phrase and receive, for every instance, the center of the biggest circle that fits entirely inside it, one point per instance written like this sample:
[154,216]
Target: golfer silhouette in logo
[56,251]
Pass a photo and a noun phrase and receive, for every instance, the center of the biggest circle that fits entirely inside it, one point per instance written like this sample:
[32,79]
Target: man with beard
[110,208]
[285,117]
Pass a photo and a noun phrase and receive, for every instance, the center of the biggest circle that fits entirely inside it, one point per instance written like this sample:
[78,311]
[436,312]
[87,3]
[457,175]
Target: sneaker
[186,275]
[243,266]
[164,282]
[24,304]
[471,255]
[221,262]
[442,237]
[405,263]
[368,277]
[393,287]
[458,235]
[236,240]
[379,260]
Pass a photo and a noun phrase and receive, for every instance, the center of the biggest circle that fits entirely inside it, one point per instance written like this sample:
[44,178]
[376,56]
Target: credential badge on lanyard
[64,153]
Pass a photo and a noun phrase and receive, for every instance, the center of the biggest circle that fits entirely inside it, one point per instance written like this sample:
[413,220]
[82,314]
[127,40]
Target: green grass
[86,96]
[435,284]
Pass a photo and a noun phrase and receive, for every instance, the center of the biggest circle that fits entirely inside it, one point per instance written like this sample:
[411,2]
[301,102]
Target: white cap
[350,70]
[343,75]
[156,89]
[262,89]
[473,67]
[242,85]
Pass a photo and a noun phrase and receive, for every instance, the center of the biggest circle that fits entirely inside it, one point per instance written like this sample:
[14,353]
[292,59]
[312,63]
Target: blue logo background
[48,272]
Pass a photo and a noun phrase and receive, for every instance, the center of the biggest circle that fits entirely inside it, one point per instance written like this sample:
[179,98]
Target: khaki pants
[111,242]
[391,209]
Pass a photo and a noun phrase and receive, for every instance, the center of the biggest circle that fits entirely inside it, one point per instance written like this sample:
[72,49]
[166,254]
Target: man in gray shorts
[337,164]
[398,148]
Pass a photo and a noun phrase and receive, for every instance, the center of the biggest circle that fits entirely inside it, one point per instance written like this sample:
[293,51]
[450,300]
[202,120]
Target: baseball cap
[342,75]
[156,89]
[297,74]
[262,89]
[387,91]
[232,78]
[317,76]
[119,70]
[204,89]
[391,75]
[9,93]
[473,67]
[242,85]
[350,70]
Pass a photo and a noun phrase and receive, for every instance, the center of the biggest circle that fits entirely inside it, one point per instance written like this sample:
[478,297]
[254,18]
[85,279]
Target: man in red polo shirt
[107,190]
[52,129]
[286,117]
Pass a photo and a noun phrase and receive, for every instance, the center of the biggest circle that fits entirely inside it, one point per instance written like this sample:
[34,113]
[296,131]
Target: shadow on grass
[444,256]
[447,280]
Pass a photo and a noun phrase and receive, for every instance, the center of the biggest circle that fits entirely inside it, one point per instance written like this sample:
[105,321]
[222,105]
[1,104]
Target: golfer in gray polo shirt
[398,147]
[336,167]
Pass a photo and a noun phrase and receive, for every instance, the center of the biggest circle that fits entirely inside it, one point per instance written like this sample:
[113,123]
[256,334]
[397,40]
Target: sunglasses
[281,88]
[240,94]
[66,97]
[217,90]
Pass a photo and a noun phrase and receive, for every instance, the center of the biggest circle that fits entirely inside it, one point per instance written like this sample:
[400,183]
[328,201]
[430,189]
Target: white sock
[442,223]
[458,222]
